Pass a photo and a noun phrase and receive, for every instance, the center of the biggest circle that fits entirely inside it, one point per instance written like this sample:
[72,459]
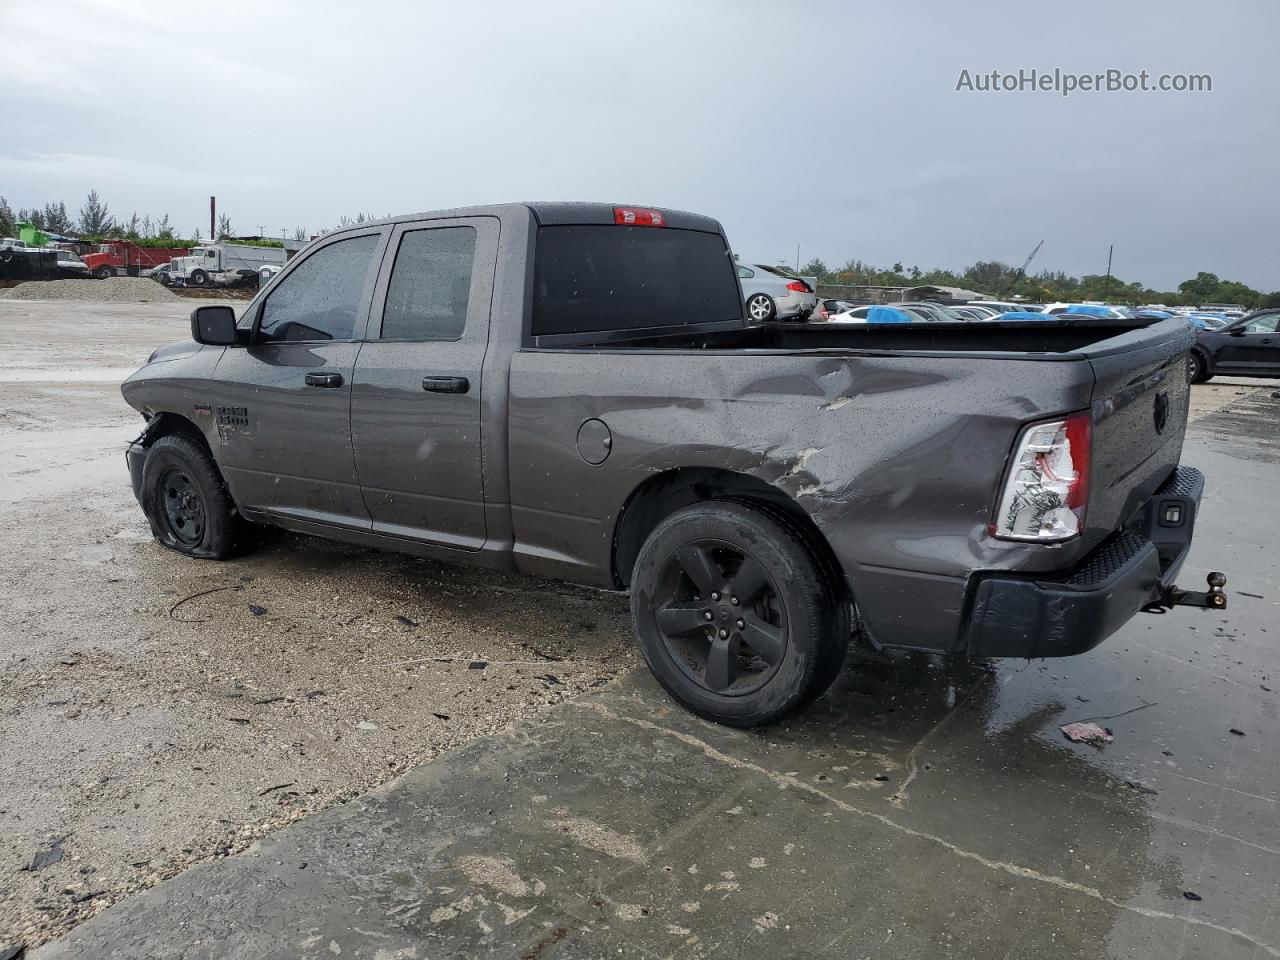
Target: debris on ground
[1192,896]
[405,621]
[109,290]
[1238,733]
[48,856]
[1141,787]
[256,610]
[1090,733]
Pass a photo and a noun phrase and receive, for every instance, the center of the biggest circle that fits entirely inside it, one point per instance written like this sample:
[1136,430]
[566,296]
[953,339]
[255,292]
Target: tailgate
[1140,401]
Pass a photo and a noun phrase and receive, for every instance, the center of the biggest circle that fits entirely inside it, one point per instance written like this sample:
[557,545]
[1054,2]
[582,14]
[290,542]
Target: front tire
[736,617]
[102,273]
[761,308]
[199,278]
[187,502]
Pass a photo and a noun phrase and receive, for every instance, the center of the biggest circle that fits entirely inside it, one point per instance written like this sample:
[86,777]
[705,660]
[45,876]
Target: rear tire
[187,502]
[199,278]
[761,308]
[752,662]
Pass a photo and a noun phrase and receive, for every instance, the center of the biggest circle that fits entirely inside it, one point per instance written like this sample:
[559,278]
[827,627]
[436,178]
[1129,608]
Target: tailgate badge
[1161,411]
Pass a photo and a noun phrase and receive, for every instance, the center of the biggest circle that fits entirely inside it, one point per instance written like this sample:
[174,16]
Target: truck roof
[549,213]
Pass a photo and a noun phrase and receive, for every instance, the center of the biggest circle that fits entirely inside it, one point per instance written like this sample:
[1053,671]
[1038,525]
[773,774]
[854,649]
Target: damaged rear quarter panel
[896,459]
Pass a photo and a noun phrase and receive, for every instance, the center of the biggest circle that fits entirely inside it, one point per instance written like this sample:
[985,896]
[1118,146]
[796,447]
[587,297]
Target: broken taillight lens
[1047,488]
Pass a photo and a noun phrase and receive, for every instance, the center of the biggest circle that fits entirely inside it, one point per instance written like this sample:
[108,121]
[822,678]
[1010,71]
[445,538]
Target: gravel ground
[109,290]
[157,711]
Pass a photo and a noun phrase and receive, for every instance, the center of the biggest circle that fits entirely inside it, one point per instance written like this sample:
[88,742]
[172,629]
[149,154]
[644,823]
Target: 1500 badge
[233,416]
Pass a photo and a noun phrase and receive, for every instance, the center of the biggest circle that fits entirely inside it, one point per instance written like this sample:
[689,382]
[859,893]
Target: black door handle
[446,384]
[323,379]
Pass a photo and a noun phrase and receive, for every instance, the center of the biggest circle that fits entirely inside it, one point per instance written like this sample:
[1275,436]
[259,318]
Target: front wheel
[187,502]
[736,617]
[761,308]
[199,278]
[102,273]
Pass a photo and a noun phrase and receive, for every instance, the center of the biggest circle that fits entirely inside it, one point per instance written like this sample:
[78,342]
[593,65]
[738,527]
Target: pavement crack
[1012,869]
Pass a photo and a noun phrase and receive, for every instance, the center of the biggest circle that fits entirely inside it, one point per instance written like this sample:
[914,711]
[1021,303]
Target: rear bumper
[1014,616]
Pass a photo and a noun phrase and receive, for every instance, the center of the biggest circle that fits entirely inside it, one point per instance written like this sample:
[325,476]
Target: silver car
[770,295]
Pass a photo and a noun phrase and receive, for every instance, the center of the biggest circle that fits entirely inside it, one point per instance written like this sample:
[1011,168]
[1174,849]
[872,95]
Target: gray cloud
[827,124]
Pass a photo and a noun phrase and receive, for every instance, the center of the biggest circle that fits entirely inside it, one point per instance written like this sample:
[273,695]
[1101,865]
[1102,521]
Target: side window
[430,285]
[319,299]
[1265,324]
[746,273]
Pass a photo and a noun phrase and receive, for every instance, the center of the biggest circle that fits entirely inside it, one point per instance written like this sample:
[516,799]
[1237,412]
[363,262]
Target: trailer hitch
[1211,599]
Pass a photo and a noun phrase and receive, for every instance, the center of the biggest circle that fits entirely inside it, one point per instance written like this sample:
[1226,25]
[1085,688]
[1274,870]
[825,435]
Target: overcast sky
[831,125]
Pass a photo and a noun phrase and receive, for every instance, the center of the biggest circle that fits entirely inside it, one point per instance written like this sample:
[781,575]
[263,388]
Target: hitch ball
[1216,582]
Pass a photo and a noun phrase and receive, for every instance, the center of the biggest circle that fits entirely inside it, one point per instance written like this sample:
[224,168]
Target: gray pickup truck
[573,391]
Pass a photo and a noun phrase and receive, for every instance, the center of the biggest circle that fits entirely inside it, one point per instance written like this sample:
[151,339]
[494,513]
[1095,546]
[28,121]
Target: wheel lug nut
[714,595]
[708,615]
[742,624]
[734,601]
[723,634]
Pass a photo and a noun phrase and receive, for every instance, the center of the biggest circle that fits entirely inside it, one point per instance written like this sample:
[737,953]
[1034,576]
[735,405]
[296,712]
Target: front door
[416,399]
[1254,350]
[283,404]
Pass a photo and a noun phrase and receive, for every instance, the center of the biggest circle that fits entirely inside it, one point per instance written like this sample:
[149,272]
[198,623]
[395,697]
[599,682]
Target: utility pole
[797,257]
[213,210]
[1106,289]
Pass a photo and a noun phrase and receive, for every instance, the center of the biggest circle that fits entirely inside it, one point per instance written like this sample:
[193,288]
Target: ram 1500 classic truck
[572,391]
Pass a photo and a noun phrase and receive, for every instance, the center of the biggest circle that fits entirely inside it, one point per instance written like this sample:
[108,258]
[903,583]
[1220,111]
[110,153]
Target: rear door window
[430,285]
[319,299]
[593,278]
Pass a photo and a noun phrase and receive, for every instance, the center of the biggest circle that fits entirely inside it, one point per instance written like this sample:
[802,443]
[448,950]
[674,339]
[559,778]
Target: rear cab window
[611,279]
[430,285]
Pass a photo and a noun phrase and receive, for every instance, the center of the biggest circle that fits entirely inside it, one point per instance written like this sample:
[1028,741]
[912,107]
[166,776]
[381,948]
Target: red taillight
[635,217]
[1047,489]
[799,286]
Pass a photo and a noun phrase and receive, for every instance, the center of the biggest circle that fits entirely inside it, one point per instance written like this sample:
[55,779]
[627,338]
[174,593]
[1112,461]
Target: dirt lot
[157,711]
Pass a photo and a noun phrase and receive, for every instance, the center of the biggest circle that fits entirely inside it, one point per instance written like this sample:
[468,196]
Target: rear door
[416,398]
[283,404]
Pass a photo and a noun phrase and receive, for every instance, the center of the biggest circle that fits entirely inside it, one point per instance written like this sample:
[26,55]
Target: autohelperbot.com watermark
[1065,82]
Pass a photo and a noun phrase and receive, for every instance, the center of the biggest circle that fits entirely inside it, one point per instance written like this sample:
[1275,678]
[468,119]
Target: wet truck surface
[573,391]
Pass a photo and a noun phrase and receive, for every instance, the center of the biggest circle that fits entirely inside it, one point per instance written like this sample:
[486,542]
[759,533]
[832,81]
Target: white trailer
[224,263]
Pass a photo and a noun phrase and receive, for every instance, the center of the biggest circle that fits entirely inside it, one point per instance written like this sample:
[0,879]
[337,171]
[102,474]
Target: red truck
[126,257]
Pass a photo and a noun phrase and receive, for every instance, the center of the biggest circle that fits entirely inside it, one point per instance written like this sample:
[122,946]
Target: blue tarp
[1023,315]
[886,315]
[1088,310]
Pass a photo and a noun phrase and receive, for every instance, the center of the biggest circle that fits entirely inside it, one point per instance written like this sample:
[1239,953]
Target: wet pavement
[922,808]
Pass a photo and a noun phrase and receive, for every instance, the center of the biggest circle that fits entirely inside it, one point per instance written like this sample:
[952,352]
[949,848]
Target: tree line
[1002,281]
[95,221]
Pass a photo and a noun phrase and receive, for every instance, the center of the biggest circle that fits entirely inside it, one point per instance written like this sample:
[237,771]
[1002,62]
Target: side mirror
[1236,332]
[215,326]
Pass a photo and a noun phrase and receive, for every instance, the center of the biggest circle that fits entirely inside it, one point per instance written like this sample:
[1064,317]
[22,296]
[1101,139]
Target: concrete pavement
[921,809]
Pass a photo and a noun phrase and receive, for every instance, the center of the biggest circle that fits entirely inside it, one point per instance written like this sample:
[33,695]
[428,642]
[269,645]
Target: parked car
[973,313]
[829,308]
[1000,306]
[1100,310]
[158,273]
[936,311]
[1249,347]
[885,313]
[463,386]
[770,295]
[1208,321]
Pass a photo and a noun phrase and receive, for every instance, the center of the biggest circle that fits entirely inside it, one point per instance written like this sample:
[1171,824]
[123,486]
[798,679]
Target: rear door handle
[446,384]
[323,379]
